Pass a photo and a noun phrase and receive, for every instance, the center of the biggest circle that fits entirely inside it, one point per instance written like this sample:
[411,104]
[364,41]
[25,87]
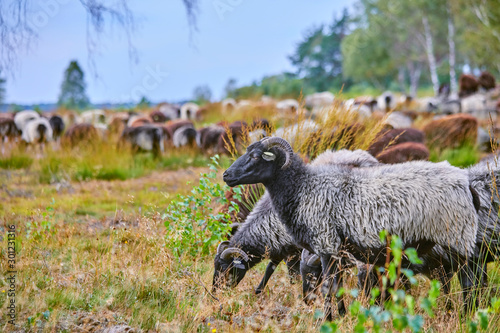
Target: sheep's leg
[267,275]
[330,285]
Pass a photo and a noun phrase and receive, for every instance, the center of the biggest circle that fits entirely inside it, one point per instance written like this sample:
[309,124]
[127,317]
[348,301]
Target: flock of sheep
[325,216]
[170,126]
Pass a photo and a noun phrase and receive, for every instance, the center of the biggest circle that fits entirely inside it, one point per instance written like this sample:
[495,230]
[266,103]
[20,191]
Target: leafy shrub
[192,225]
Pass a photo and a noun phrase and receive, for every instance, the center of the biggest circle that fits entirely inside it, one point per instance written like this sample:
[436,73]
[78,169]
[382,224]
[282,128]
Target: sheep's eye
[255,156]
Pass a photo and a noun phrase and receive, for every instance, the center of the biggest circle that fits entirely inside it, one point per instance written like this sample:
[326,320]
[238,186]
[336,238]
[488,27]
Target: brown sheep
[487,81]
[140,121]
[404,152]
[173,125]
[158,117]
[393,137]
[81,134]
[451,131]
[237,129]
[468,85]
[8,130]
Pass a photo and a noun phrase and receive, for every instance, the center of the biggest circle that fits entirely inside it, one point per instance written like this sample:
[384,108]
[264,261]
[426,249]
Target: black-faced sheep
[323,210]
[260,236]
[37,131]
[263,233]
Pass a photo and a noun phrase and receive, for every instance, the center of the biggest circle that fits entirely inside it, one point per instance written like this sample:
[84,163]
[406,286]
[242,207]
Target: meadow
[107,241]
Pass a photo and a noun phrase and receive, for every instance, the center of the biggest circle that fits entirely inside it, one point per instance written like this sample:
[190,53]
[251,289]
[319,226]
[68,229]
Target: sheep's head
[310,269]
[231,265]
[260,162]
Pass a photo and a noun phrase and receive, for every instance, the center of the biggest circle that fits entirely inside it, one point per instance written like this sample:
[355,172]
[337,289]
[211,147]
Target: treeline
[401,45]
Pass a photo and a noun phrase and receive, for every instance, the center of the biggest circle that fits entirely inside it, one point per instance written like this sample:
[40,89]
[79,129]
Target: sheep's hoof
[258,291]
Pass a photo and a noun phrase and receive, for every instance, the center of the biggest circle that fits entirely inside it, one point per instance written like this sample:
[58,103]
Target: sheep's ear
[268,156]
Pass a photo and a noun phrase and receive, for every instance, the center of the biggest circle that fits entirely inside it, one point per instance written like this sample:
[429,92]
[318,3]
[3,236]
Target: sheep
[57,124]
[173,125]
[468,85]
[8,130]
[297,131]
[322,207]
[262,229]
[260,236]
[318,101]
[37,131]
[229,104]
[288,105]
[79,134]
[386,101]
[207,138]
[487,81]
[404,152]
[184,136]
[189,110]
[21,118]
[93,117]
[139,120]
[451,131]
[170,111]
[146,137]
[158,117]
[398,120]
[392,137]
[237,130]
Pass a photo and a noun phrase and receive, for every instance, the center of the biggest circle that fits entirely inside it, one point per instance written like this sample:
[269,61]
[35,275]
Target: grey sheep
[324,208]
[263,234]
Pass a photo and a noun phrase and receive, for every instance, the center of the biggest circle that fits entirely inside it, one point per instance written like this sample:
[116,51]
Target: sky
[239,39]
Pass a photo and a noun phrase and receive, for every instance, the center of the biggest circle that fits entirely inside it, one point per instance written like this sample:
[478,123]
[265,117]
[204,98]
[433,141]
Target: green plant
[192,225]
[16,162]
[399,311]
[39,230]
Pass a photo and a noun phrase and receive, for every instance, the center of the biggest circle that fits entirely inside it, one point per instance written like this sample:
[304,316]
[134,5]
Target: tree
[19,24]
[2,90]
[73,88]
[202,94]
[230,88]
[144,103]
[318,58]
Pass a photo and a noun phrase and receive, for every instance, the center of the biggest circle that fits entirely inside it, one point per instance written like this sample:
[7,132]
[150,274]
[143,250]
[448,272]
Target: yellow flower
[126,242]
[4,291]
[208,324]
[214,330]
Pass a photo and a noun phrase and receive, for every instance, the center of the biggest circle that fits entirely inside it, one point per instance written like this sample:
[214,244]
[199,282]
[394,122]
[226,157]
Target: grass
[462,157]
[16,162]
[92,242]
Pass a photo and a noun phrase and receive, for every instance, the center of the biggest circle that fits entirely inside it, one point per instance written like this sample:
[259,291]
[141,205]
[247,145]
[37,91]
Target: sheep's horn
[232,252]
[314,261]
[222,246]
[281,143]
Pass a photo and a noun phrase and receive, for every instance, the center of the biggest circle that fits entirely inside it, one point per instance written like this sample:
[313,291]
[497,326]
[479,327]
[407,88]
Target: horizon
[246,51]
